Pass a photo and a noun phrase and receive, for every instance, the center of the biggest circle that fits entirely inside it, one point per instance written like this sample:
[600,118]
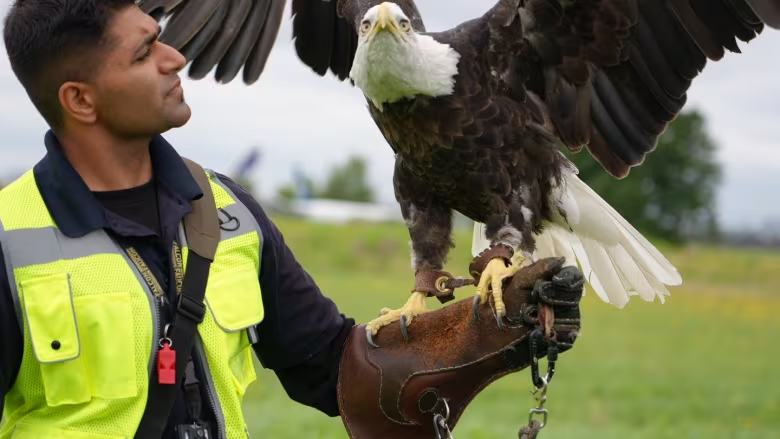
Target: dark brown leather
[480,261]
[439,284]
[393,391]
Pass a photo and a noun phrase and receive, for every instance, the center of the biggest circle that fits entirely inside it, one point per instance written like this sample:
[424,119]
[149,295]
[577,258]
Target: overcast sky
[301,119]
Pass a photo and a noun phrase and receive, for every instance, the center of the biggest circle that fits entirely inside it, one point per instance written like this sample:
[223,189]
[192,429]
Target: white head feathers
[393,61]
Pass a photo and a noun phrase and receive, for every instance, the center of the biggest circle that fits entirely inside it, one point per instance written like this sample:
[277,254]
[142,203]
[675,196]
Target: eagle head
[386,18]
[393,61]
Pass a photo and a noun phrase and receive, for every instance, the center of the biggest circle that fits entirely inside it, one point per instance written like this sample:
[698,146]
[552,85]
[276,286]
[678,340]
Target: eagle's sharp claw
[475,307]
[404,332]
[499,319]
[370,338]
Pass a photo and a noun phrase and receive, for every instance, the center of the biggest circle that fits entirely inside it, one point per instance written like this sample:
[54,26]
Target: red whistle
[166,365]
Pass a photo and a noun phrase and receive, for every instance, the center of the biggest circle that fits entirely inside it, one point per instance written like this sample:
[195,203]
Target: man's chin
[180,116]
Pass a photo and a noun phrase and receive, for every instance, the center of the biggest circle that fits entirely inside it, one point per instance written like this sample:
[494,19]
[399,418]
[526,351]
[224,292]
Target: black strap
[202,229]
[192,396]
[189,312]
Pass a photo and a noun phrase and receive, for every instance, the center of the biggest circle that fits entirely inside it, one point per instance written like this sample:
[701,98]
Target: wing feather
[188,19]
[226,34]
[217,47]
[255,63]
[615,73]
[313,28]
[238,52]
[201,39]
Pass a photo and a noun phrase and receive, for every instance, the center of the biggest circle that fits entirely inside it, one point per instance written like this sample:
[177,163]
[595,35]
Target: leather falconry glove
[402,388]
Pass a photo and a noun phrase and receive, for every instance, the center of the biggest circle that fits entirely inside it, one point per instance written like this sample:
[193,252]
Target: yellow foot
[490,282]
[413,307]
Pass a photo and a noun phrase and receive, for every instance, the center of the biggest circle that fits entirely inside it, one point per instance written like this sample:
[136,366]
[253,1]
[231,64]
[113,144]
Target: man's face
[138,91]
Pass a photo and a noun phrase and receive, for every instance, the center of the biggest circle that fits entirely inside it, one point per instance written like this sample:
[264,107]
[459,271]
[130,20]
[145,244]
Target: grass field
[706,364]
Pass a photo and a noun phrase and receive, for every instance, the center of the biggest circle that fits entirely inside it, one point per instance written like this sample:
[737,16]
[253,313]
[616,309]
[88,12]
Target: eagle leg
[491,268]
[430,230]
[511,243]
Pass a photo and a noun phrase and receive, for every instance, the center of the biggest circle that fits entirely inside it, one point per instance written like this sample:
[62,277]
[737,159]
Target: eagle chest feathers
[466,166]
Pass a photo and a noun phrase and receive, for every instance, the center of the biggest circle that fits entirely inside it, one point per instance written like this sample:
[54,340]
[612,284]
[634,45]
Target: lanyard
[146,273]
[166,360]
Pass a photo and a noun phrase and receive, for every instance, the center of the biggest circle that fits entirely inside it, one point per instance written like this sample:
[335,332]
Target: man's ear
[78,101]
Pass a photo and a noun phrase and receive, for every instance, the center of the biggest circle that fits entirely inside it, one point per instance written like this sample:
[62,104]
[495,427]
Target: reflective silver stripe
[9,269]
[27,247]
[236,218]
[48,244]
[211,390]
[235,215]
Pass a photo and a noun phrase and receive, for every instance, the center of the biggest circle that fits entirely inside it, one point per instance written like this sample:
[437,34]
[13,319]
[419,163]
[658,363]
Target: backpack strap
[202,229]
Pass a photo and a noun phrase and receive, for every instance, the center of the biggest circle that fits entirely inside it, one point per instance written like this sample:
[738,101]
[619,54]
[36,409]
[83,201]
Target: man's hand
[452,355]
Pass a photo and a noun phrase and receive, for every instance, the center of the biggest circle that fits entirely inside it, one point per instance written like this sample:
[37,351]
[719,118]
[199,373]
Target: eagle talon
[406,314]
[475,306]
[370,338]
[491,283]
[499,319]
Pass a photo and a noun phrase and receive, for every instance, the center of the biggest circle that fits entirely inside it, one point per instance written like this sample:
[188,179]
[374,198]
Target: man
[93,251]
[106,96]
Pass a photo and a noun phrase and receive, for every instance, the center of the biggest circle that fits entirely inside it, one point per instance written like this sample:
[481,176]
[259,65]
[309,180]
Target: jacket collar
[72,205]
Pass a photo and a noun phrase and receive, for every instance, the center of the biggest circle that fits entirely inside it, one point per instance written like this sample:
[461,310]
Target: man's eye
[145,55]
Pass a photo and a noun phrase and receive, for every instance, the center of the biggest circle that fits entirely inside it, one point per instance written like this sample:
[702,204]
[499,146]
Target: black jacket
[303,332]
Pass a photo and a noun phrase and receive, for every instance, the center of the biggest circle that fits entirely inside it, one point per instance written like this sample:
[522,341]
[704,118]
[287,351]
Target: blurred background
[703,365]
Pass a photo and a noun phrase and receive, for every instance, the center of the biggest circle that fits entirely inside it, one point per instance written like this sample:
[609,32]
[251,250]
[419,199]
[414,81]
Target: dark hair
[50,42]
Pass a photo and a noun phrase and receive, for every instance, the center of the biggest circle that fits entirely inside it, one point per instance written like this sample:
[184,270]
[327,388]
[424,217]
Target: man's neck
[108,164]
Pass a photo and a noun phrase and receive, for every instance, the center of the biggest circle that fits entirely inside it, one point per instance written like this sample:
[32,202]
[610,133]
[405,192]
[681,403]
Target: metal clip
[540,382]
[440,423]
[540,395]
[165,337]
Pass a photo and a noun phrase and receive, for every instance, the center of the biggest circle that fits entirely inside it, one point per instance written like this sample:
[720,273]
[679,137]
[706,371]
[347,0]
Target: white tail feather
[618,262]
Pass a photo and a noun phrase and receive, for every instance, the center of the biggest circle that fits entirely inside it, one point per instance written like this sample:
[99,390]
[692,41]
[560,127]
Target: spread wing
[233,34]
[615,73]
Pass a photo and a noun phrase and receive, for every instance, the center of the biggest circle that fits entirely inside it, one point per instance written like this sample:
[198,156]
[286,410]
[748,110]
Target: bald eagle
[477,115]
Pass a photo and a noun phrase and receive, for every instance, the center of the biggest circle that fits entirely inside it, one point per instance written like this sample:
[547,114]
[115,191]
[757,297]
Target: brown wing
[231,34]
[615,73]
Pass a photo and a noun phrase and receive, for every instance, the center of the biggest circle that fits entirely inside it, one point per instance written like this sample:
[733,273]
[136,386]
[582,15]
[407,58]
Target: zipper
[159,302]
[211,391]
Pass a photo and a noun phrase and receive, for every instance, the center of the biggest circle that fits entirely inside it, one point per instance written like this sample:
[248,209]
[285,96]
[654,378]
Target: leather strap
[439,284]
[202,229]
[481,261]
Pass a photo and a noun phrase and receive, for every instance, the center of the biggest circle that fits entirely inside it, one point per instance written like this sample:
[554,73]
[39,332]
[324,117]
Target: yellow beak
[385,21]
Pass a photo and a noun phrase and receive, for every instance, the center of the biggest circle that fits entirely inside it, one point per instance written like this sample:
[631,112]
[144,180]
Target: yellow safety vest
[91,324]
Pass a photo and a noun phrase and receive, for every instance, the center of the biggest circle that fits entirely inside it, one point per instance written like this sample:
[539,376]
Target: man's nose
[173,59]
